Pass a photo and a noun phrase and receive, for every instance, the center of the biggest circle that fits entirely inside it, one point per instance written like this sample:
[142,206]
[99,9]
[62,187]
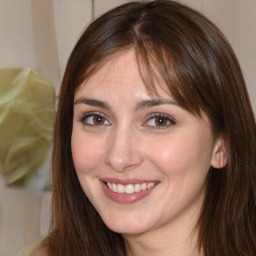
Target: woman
[155,142]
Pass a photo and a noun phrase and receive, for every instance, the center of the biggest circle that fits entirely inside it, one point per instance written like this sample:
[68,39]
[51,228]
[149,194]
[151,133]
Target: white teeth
[114,188]
[120,188]
[150,185]
[129,189]
[110,185]
[137,188]
[144,186]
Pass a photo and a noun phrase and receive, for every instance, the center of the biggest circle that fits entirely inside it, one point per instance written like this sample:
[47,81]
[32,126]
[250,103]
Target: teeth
[150,185]
[114,188]
[129,189]
[110,186]
[137,188]
[144,186]
[120,188]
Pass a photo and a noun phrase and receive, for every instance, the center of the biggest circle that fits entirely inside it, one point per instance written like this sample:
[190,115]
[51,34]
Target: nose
[123,152]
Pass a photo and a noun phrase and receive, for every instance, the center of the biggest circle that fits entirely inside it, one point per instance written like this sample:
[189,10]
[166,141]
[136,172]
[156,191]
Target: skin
[129,143]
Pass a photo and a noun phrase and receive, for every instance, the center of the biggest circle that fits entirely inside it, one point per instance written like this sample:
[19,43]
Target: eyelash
[92,114]
[170,121]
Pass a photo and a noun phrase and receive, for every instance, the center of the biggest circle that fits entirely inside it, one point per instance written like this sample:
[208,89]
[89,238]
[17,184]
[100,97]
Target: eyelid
[86,115]
[170,119]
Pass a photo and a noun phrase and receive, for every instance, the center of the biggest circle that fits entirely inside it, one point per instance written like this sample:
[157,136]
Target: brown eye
[98,120]
[94,120]
[160,121]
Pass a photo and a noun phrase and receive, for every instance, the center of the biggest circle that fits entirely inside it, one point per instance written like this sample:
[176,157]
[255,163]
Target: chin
[126,226]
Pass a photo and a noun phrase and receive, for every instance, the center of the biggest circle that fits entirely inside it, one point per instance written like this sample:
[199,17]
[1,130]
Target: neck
[174,239]
[177,245]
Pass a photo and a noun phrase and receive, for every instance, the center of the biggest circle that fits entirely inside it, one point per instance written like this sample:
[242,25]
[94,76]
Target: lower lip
[126,198]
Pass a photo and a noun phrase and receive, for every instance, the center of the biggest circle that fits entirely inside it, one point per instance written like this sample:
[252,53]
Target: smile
[127,191]
[130,188]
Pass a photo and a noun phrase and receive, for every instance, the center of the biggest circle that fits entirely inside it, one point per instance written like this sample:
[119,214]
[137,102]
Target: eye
[94,119]
[160,121]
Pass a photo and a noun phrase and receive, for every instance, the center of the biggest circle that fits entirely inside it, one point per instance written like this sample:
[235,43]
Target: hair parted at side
[193,58]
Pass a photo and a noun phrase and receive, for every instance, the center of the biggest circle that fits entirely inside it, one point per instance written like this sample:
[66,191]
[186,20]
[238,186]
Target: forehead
[121,72]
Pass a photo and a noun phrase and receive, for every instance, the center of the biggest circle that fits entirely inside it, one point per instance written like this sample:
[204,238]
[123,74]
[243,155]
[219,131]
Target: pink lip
[126,198]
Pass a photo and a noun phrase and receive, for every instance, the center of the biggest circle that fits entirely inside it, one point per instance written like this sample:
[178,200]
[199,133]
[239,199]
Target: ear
[219,155]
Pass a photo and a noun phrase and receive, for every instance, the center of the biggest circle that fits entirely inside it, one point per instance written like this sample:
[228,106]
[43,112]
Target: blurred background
[40,34]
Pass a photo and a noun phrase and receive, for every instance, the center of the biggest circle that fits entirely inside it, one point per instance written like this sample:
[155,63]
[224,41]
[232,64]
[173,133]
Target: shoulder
[34,250]
[39,251]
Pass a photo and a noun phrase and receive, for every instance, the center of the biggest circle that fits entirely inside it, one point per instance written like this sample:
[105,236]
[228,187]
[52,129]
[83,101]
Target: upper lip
[127,181]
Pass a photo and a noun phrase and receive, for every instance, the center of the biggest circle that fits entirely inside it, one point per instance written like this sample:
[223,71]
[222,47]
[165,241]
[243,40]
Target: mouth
[130,188]
[128,191]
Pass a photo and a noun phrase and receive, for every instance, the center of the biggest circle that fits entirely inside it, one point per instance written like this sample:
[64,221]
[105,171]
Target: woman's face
[141,160]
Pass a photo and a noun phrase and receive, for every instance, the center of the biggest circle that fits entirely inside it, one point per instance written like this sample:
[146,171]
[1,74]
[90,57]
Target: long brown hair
[199,67]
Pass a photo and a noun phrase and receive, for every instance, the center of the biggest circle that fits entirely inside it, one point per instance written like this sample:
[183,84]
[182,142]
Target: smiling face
[141,160]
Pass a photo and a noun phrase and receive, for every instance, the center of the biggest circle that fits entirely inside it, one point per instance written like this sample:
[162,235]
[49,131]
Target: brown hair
[199,67]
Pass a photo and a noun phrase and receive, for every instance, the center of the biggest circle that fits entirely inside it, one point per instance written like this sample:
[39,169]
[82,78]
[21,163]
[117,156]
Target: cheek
[181,154]
[172,155]
[86,152]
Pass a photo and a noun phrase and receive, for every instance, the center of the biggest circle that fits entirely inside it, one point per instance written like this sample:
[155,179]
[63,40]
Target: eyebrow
[153,102]
[139,106]
[93,102]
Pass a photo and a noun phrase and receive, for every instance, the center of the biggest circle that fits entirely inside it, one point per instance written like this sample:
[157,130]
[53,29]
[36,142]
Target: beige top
[28,250]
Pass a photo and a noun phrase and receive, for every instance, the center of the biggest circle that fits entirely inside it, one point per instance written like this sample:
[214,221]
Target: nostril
[123,154]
